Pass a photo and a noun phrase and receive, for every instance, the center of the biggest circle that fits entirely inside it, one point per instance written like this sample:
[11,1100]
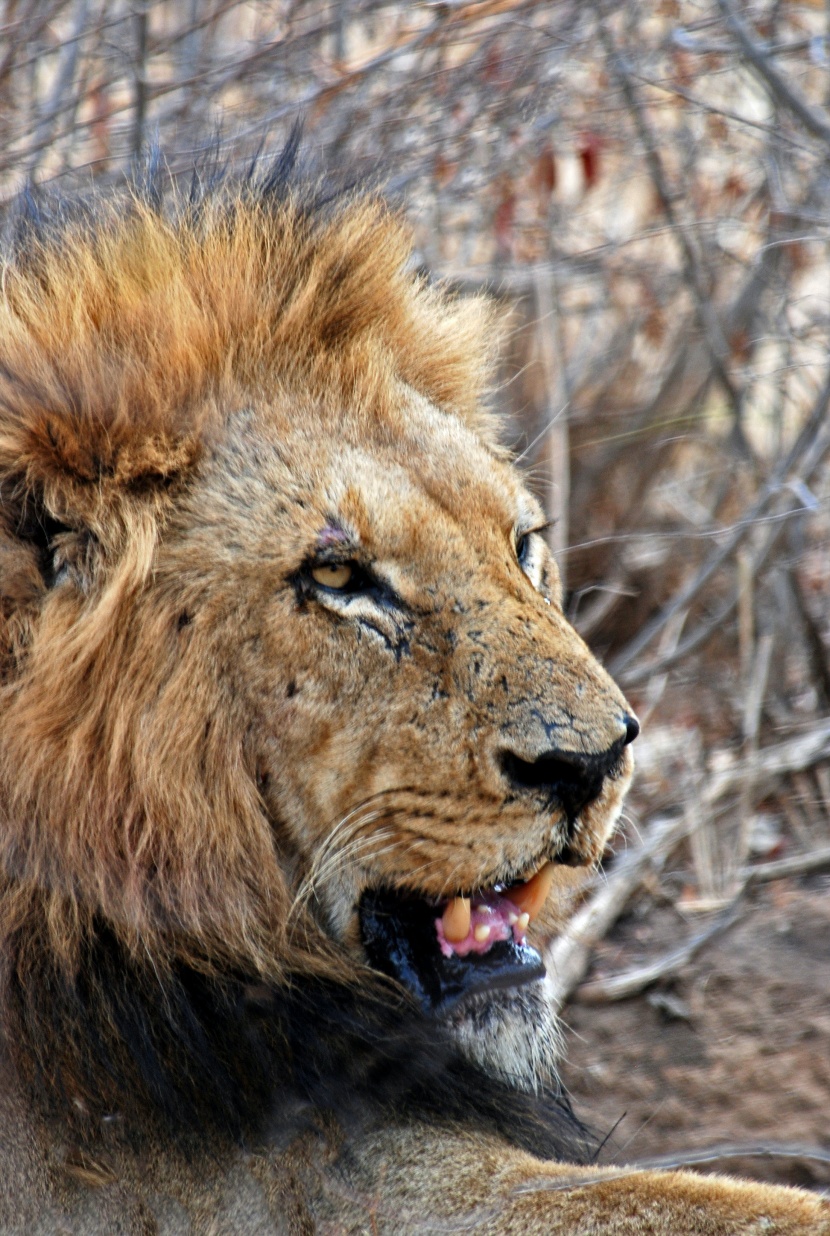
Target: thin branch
[59,98]
[780,90]
[735,1150]
[631,982]
[783,868]
[813,431]
[140,77]
[712,330]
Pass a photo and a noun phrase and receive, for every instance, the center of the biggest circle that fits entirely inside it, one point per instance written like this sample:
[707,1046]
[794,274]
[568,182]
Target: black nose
[571,778]
[632,728]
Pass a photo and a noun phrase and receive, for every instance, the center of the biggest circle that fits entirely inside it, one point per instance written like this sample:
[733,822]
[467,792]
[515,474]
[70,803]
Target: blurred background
[645,188]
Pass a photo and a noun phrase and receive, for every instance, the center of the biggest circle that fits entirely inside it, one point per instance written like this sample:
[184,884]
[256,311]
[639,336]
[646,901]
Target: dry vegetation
[645,186]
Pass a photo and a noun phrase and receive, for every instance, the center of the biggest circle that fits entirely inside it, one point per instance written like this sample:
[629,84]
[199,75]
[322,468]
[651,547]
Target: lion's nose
[571,778]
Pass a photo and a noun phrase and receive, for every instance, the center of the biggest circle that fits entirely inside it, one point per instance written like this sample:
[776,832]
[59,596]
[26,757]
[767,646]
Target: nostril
[568,777]
[632,728]
[548,770]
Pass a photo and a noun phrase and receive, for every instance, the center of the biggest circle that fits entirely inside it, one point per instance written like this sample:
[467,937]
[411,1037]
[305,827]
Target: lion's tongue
[474,927]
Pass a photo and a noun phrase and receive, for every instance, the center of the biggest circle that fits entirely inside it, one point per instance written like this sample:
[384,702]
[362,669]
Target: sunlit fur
[204,761]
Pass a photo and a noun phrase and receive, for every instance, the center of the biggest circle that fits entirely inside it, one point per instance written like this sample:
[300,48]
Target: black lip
[399,937]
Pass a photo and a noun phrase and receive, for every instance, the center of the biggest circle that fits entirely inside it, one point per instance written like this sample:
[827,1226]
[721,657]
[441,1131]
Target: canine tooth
[512,918]
[523,921]
[456,920]
[531,897]
[482,933]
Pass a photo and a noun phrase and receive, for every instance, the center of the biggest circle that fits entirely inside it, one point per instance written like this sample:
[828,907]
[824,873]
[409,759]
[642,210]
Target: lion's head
[288,695]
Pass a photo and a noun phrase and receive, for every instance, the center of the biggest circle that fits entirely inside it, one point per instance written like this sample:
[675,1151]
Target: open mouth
[448,951]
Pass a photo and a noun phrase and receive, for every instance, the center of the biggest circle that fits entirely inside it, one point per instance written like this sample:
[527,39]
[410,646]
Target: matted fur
[206,758]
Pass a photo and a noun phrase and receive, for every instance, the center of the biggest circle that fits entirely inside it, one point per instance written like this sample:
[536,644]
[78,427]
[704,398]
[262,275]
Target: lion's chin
[511,1034]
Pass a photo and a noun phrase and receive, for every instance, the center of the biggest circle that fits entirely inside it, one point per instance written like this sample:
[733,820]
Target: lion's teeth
[482,932]
[523,921]
[530,897]
[456,920]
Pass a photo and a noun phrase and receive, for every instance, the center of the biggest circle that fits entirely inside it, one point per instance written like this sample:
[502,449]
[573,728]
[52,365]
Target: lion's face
[281,643]
[423,722]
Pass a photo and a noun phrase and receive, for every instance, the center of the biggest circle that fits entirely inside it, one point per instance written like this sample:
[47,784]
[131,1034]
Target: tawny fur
[204,762]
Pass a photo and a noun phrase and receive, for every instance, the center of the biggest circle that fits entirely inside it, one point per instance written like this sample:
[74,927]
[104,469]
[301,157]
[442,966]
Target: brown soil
[733,1052]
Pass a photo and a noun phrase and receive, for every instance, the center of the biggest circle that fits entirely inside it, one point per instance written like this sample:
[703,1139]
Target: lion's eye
[337,576]
[523,548]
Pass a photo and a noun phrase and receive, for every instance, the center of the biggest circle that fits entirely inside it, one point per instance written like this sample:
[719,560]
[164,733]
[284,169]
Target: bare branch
[784,868]
[804,457]
[700,284]
[633,981]
[780,90]
[735,1150]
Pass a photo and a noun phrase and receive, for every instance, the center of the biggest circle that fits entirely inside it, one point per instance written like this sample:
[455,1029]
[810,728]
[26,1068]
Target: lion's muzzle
[444,952]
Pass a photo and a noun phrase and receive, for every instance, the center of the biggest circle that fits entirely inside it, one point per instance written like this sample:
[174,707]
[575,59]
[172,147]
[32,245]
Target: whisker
[545,430]
[321,870]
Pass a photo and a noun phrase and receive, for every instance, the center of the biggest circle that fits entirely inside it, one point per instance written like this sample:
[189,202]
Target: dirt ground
[732,1053]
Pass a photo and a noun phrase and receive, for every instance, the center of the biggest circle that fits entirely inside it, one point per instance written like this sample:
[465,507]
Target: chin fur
[512,1035]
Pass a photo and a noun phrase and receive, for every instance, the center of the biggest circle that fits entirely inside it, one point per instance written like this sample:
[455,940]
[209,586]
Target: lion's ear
[107,371]
[28,537]
[65,476]
[37,548]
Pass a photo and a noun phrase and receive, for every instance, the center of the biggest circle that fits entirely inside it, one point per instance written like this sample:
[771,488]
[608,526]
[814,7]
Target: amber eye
[336,575]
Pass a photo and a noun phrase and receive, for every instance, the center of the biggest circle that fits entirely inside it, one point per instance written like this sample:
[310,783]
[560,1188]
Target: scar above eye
[332,535]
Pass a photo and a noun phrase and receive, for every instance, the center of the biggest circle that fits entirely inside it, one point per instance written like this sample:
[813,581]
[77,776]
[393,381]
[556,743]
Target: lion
[300,758]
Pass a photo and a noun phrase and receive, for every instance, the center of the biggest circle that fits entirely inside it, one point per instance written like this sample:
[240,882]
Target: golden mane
[122,327]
